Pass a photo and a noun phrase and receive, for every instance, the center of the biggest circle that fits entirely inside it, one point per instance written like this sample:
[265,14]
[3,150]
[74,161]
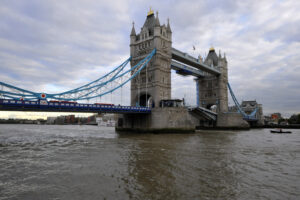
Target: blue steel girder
[44,106]
[191,61]
[186,70]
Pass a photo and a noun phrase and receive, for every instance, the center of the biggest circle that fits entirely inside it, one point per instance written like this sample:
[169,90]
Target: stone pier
[173,119]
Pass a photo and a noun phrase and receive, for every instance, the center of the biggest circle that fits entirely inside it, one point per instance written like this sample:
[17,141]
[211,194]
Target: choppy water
[89,162]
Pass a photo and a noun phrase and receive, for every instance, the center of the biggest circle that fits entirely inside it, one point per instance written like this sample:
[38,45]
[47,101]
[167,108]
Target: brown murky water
[87,162]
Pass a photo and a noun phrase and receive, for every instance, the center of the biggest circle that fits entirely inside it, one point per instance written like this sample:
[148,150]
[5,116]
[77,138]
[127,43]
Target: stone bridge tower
[213,89]
[154,82]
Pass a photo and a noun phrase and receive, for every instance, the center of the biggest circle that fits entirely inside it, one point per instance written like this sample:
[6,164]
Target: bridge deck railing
[6,104]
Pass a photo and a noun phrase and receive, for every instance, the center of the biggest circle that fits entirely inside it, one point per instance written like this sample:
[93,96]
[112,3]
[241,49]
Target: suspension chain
[147,86]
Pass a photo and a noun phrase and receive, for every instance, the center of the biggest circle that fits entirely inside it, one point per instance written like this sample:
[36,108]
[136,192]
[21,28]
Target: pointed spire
[132,30]
[157,20]
[168,26]
[220,56]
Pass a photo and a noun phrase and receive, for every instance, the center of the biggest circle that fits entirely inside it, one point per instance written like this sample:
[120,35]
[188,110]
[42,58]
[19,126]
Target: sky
[51,46]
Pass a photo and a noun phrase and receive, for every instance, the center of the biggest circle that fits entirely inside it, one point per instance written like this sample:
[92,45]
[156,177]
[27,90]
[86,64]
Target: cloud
[55,46]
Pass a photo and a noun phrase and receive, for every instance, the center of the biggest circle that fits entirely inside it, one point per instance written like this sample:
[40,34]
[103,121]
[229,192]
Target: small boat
[279,131]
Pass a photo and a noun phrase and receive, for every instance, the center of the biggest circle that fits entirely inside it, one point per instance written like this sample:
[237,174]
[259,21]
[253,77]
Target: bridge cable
[121,92]
[111,93]
[87,91]
[251,115]
[147,86]
[139,82]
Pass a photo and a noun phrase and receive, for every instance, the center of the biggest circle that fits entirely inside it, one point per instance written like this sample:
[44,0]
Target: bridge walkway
[44,106]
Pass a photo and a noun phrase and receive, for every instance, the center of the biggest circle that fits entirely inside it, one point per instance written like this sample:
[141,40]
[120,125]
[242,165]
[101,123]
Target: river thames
[90,162]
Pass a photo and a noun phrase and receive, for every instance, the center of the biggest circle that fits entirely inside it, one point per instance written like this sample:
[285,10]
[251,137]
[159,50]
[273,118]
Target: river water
[90,162]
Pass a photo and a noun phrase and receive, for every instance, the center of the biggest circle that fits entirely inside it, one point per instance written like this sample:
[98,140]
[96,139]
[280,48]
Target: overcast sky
[51,46]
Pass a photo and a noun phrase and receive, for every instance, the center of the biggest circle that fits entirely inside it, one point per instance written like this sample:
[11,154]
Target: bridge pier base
[231,120]
[161,120]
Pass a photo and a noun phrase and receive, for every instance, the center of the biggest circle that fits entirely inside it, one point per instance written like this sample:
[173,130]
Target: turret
[158,76]
[156,26]
[132,39]
[169,31]
[132,34]
[168,27]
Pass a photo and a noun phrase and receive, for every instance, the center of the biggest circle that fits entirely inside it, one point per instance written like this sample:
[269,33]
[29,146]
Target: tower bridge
[151,108]
[153,85]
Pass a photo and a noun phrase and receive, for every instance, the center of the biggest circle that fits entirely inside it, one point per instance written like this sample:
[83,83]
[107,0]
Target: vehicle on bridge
[55,101]
[171,103]
[106,104]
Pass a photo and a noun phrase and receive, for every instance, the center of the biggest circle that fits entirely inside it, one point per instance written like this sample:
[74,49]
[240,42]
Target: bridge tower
[154,82]
[213,89]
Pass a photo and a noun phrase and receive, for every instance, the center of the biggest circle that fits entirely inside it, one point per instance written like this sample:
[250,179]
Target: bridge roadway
[44,106]
[186,64]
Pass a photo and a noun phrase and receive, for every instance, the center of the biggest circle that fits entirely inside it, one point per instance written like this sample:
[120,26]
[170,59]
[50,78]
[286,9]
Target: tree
[294,119]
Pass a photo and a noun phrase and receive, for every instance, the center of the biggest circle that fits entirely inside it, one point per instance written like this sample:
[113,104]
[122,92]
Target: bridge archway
[212,107]
[145,100]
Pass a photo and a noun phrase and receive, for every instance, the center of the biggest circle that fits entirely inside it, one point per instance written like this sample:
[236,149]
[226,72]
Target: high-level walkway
[188,65]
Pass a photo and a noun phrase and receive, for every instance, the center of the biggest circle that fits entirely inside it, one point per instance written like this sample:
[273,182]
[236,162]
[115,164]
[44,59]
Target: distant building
[267,120]
[70,119]
[249,106]
[60,120]
[51,120]
[274,118]
[285,123]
